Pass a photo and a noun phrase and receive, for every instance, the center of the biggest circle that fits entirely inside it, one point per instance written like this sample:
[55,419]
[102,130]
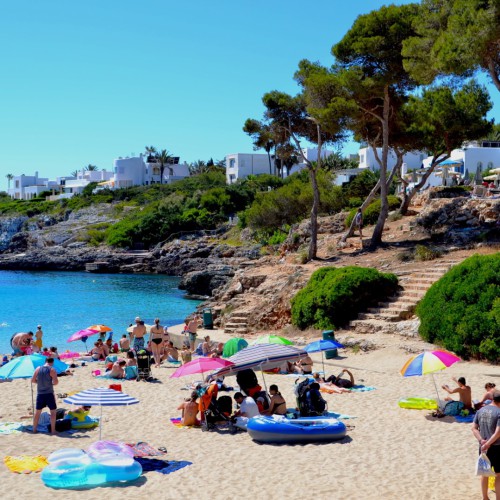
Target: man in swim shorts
[192,328]
[138,334]
[45,377]
[463,390]
[486,429]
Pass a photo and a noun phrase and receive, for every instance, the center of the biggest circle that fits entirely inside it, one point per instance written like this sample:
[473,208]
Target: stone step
[382,316]
[418,286]
[239,331]
[398,304]
[231,324]
[368,326]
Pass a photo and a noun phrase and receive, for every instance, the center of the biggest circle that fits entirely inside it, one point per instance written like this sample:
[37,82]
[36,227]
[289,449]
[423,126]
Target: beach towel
[142,449]
[25,464]
[177,423]
[362,388]
[464,419]
[10,428]
[162,466]
[339,416]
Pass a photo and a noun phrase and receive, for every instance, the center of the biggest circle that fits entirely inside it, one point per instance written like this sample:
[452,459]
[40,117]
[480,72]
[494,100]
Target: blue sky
[86,82]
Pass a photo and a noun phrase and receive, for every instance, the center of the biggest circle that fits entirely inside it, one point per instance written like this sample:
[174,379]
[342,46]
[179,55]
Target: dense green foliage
[372,212]
[461,311]
[334,296]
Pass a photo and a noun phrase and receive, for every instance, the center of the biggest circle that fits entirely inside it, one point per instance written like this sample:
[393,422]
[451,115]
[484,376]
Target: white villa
[241,165]
[127,172]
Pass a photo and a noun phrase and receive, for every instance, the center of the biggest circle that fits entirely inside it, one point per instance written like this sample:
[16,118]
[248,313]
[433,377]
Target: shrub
[334,296]
[372,211]
[461,311]
[423,253]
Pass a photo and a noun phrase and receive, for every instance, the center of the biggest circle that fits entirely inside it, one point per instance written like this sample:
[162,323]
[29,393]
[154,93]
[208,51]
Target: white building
[26,187]
[143,171]
[241,165]
[367,159]
[84,178]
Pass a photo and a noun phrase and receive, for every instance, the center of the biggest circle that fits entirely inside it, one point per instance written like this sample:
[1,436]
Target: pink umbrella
[83,335]
[200,365]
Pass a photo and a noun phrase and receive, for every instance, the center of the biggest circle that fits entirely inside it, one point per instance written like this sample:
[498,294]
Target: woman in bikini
[278,403]
[156,339]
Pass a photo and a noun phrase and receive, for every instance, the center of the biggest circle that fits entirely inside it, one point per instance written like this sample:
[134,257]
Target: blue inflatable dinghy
[278,429]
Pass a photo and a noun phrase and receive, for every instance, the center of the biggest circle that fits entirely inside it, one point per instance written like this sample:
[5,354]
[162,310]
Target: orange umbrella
[100,328]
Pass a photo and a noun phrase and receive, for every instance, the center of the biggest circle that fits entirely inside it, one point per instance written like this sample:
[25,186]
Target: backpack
[63,425]
[301,394]
[317,405]
[453,408]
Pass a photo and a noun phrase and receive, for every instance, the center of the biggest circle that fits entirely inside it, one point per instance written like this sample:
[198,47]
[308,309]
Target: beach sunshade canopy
[262,357]
[201,365]
[100,328]
[271,339]
[234,345]
[25,366]
[428,362]
[101,396]
[83,334]
[321,346]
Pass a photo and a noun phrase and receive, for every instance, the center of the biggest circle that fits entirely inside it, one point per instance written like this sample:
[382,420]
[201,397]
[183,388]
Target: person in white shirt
[248,409]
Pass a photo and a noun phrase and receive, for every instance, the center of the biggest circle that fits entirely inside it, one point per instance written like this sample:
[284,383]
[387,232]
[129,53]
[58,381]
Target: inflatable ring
[100,449]
[81,420]
[418,404]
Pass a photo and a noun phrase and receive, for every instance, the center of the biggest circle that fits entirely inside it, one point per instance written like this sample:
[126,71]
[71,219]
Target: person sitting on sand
[131,361]
[118,369]
[97,352]
[27,346]
[53,353]
[124,344]
[329,385]
[186,355]
[170,353]
[206,347]
[190,410]
[248,409]
[463,391]
[278,403]
[488,396]
[303,366]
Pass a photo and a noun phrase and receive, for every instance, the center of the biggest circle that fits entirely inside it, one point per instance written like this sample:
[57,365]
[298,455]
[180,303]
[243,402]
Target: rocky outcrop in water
[9,228]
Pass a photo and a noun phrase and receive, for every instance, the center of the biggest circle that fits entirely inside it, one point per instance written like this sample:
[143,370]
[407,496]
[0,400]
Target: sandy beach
[389,452]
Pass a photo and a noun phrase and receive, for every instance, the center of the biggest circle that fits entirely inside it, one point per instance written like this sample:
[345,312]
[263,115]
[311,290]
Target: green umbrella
[232,346]
[272,339]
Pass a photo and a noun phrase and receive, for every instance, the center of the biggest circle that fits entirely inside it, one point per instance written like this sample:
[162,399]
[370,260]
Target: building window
[232,163]
[361,158]
[17,184]
[232,178]
[156,171]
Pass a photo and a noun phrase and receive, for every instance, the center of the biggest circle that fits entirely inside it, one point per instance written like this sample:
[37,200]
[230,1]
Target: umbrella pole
[323,362]
[100,425]
[435,386]
[263,378]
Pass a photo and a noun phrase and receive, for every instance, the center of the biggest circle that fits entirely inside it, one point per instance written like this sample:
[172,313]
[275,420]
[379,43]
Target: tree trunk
[492,70]
[162,169]
[376,239]
[269,158]
[313,245]
[403,209]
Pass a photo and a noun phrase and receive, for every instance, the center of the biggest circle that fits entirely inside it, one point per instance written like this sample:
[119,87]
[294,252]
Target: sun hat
[137,318]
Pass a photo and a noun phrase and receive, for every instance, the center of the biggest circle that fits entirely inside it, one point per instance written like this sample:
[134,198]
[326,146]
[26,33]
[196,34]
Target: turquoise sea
[65,302]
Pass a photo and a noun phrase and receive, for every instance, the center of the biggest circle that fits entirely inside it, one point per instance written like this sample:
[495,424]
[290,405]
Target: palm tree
[91,168]
[74,173]
[9,178]
[198,167]
[150,151]
[163,158]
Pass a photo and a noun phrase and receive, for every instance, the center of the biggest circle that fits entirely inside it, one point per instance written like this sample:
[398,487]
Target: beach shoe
[162,448]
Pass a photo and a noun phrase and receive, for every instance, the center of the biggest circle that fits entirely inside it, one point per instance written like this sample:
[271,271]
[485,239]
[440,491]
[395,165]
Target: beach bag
[63,425]
[116,387]
[453,408]
[483,466]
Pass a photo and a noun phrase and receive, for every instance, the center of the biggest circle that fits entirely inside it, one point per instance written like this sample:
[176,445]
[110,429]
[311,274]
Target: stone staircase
[414,284]
[237,323]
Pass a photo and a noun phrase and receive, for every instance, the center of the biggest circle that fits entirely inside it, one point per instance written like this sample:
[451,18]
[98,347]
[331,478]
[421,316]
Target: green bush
[370,215]
[461,311]
[334,296]
[423,253]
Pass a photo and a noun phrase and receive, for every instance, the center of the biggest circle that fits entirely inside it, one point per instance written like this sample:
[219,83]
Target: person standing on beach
[138,334]
[156,340]
[38,339]
[45,377]
[486,429]
[358,223]
[192,328]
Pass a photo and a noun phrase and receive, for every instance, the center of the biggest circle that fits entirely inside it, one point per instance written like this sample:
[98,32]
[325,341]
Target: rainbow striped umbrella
[428,362]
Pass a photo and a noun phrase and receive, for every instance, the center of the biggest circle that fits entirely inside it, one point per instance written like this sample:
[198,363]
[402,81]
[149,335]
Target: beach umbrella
[100,328]
[321,346]
[262,357]
[201,365]
[234,345]
[83,335]
[25,366]
[429,362]
[271,339]
[101,396]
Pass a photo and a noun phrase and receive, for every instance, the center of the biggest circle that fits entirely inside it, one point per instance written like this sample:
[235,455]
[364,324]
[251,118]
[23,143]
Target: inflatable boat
[278,429]
[418,404]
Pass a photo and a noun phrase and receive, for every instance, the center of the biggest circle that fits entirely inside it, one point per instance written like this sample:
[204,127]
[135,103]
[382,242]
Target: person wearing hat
[138,334]
[37,346]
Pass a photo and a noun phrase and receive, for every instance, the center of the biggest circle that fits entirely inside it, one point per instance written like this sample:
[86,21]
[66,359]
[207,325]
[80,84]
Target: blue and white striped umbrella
[101,396]
[262,357]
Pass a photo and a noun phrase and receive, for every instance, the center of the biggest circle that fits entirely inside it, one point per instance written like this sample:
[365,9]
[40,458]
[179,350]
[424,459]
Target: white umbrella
[101,396]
